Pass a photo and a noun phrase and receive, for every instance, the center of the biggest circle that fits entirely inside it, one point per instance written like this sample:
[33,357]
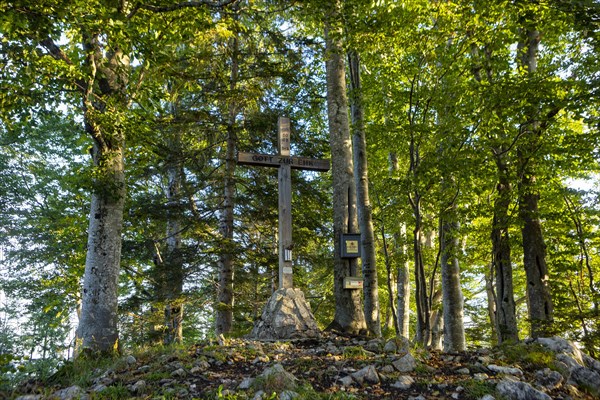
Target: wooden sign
[276,161]
[284,162]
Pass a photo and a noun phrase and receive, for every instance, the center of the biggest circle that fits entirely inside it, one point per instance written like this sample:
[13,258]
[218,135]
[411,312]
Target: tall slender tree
[365,214]
[349,316]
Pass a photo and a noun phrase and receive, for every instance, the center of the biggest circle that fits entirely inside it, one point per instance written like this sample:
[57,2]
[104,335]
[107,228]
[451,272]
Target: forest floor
[333,367]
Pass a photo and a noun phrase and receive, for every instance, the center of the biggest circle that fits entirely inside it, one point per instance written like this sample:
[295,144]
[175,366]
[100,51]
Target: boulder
[367,374]
[286,315]
[405,364]
[516,390]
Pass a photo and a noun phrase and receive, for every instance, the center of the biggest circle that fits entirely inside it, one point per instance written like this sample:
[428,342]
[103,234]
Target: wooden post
[285,208]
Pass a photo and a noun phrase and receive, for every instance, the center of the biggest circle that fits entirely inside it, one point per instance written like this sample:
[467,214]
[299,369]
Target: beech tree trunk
[174,274]
[403,289]
[98,324]
[103,94]
[403,271]
[505,312]
[452,297]
[349,315]
[365,217]
[534,248]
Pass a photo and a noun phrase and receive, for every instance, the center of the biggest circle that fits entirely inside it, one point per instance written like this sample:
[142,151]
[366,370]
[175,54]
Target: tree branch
[187,4]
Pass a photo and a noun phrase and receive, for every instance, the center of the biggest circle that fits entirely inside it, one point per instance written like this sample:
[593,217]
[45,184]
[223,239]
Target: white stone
[404,382]
[517,390]
[504,370]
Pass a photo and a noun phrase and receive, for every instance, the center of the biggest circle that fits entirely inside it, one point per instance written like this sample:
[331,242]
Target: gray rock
[387,369]
[286,315]
[560,345]
[70,393]
[246,383]
[405,364]
[138,387]
[487,397]
[404,382]
[463,371]
[30,397]
[179,373]
[288,395]
[504,370]
[130,360]
[569,361]
[144,368]
[98,388]
[480,377]
[390,347]
[258,395]
[589,379]
[419,397]
[516,390]
[591,363]
[367,374]
[548,379]
[277,379]
[346,381]
[374,345]
[202,365]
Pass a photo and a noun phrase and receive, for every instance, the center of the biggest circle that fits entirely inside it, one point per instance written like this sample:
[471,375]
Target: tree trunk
[491,303]
[97,329]
[423,335]
[452,298]
[365,218]
[534,248]
[173,284]
[349,315]
[505,317]
[403,289]
[224,309]
[403,272]
[224,315]
[103,94]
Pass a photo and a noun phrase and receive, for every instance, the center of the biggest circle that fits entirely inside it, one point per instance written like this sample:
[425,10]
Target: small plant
[115,392]
[354,352]
[477,389]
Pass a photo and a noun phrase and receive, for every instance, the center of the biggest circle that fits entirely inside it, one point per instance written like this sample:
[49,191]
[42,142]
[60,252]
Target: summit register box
[350,245]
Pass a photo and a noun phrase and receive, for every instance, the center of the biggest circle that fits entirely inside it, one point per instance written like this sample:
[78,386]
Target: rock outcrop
[286,315]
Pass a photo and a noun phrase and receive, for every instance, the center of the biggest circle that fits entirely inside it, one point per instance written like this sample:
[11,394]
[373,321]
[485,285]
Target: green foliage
[477,389]
[528,354]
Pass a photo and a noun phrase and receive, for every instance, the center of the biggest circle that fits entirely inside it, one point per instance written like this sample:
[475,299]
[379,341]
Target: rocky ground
[334,367]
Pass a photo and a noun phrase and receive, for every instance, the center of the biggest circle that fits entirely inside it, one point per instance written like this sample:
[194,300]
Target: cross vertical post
[284,162]
[285,207]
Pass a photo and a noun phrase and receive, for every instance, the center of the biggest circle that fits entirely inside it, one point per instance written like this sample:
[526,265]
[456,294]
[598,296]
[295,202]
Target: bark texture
[505,311]
[534,248]
[225,298]
[365,213]
[103,102]
[349,315]
[97,329]
[172,285]
[452,297]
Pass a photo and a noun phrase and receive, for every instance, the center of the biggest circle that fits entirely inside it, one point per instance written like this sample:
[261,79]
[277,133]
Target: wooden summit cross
[284,162]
